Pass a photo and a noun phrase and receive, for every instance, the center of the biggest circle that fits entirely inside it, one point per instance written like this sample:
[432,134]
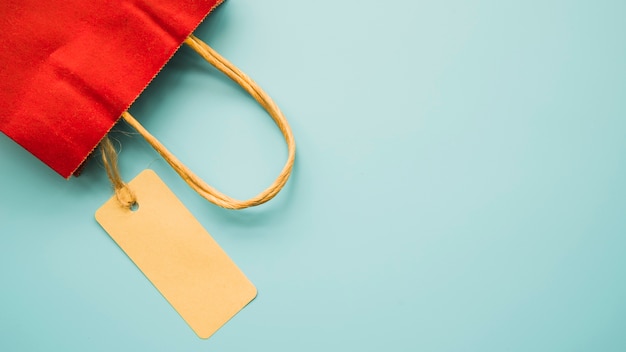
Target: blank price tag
[177,255]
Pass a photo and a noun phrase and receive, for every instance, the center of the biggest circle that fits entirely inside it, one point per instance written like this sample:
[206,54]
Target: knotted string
[125,196]
[196,183]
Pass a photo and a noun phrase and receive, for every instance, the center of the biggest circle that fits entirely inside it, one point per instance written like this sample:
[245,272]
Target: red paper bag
[68,71]
[70,68]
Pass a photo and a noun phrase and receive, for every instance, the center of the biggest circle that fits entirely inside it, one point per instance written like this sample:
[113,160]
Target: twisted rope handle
[209,193]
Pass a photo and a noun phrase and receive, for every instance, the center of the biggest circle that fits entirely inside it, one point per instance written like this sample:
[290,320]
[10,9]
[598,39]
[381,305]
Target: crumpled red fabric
[69,68]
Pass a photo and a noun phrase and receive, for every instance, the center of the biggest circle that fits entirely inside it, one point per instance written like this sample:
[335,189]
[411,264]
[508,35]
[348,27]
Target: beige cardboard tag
[177,255]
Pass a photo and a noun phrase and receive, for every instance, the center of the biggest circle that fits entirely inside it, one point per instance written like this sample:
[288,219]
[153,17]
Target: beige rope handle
[209,193]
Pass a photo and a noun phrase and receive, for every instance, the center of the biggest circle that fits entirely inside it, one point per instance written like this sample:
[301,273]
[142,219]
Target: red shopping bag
[68,69]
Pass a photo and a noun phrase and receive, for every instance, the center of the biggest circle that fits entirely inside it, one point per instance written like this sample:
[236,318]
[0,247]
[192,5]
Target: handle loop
[196,183]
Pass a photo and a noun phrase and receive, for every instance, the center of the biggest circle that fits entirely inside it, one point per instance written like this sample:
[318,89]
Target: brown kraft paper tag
[177,255]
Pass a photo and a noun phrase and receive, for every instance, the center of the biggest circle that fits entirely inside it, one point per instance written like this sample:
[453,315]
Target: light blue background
[459,186]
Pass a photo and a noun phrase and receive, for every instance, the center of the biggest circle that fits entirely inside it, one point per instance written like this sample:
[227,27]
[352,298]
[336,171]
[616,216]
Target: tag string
[125,196]
[196,183]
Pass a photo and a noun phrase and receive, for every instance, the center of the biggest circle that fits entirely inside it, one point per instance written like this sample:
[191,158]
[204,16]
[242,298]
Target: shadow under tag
[177,255]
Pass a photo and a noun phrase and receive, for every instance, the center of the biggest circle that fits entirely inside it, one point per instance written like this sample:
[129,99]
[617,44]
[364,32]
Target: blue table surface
[459,186]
